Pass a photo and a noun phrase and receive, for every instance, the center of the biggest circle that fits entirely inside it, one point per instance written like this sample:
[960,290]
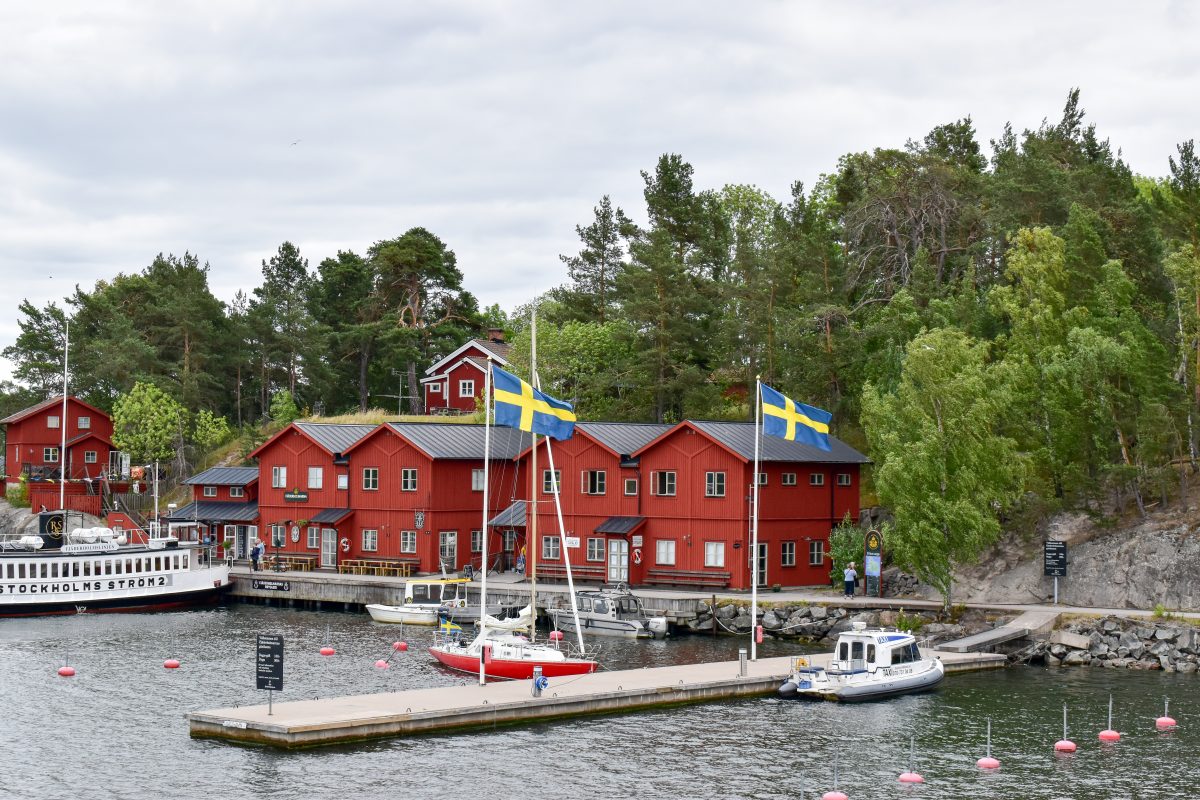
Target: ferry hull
[116,605]
[511,669]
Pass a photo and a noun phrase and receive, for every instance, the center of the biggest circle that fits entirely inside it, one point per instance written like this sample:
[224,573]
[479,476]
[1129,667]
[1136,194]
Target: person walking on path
[255,554]
[850,577]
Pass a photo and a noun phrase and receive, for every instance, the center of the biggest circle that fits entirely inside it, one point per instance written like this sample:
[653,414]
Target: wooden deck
[316,723]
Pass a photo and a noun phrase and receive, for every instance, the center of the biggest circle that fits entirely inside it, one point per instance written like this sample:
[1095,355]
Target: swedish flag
[447,626]
[519,405]
[796,422]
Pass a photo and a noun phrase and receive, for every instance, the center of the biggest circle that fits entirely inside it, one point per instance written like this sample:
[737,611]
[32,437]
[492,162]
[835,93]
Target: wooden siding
[27,439]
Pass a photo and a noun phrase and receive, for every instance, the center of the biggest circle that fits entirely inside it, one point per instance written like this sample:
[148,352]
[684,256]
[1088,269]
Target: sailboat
[499,650]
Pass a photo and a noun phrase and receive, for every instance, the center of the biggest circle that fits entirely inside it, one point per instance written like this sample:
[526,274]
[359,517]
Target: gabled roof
[45,404]
[499,351]
[332,437]
[474,361]
[620,525]
[225,476]
[738,438]
[212,511]
[624,438]
[87,435]
[511,517]
[448,440]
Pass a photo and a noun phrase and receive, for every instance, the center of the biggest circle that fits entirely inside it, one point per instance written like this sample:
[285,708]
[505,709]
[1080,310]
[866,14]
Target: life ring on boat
[801,662]
[345,545]
[637,555]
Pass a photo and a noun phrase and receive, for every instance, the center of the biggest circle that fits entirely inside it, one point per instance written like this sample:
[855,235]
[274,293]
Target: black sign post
[1054,562]
[873,564]
[269,665]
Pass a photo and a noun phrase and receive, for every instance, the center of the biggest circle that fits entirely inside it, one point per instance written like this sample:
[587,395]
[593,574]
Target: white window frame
[551,548]
[210,491]
[278,477]
[476,541]
[714,554]
[714,484]
[596,548]
[788,479]
[547,486]
[408,479]
[89,456]
[343,481]
[466,387]
[787,553]
[53,421]
[83,423]
[448,548]
[816,479]
[762,479]
[816,553]
[316,477]
[663,483]
[408,541]
[370,479]
[49,455]
[664,552]
[631,487]
[476,480]
[843,479]
[435,388]
[594,482]
[313,537]
[370,540]
[237,491]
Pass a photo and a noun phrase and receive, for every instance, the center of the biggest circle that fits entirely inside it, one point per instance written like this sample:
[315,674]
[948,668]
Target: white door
[618,561]
[328,547]
[448,550]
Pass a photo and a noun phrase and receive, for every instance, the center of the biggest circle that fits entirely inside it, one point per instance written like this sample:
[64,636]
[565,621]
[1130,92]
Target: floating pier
[470,707]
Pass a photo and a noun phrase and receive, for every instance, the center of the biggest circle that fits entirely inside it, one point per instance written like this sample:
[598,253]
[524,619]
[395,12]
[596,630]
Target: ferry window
[585,604]
[87,569]
[108,567]
[20,570]
[10,572]
[871,653]
[54,570]
[157,564]
[843,651]
[44,571]
[185,561]
[856,650]
[600,607]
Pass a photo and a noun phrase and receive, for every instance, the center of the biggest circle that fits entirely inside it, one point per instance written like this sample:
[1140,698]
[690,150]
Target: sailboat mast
[62,453]
[487,458]
[532,511]
[754,523]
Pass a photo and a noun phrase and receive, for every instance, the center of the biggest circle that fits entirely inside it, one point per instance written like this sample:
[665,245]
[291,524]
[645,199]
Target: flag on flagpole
[447,626]
[519,405]
[796,422]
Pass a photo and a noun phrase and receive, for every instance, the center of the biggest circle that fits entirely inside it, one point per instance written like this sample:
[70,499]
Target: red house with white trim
[224,506]
[34,437]
[454,384]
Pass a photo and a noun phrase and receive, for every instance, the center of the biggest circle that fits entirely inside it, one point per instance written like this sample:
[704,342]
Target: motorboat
[425,600]
[866,665]
[610,611]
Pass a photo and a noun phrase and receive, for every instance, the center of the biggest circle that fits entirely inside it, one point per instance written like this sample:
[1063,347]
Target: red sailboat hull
[513,669]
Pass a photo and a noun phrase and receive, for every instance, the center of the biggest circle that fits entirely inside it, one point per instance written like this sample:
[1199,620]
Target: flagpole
[754,523]
[562,536]
[487,447]
[532,512]
[62,456]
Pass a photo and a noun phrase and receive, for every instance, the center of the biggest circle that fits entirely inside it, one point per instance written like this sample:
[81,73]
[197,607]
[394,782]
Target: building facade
[454,384]
[34,441]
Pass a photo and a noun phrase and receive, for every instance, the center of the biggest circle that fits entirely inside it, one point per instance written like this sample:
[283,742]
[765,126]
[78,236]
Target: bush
[909,623]
[18,496]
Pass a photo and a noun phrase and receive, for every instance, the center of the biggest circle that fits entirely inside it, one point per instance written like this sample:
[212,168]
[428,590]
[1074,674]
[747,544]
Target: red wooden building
[454,383]
[34,438]
[224,507]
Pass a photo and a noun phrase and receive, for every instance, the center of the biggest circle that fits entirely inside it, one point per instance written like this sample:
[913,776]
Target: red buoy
[758,634]
[556,636]
[987,762]
[66,672]
[911,776]
[1108,734]
[1064,745]
[327,651]
[1165,722]
[171,663]
[834,795]
[400,647]
[381,664]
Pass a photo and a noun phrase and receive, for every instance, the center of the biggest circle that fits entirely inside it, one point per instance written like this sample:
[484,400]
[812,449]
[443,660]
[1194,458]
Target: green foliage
[18,496]
[210,431]
[1160,612]
[909,623]
[148,424]
[845,545]
[283,408]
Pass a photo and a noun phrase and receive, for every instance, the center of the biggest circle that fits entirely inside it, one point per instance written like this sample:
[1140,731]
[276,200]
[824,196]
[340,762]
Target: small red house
[224,506]
[34,439]
[454,384]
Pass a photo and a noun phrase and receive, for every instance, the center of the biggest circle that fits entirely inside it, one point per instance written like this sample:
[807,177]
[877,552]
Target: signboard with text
[269,662]
[873,564]
[1054,559]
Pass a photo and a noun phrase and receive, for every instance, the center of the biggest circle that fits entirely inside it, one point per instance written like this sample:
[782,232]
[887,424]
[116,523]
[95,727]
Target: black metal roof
[624,438]
[336,437]
[452,440]
[739,437]
[332,516]
[620,525]
[511,517]
[216,512]
[224,476]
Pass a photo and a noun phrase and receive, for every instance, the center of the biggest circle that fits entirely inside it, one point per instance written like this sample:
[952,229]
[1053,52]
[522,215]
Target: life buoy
[345,545]
[637,555]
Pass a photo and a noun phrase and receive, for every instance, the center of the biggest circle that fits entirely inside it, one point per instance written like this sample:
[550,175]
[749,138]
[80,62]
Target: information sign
[873,563]
[269,663]
[1054,559]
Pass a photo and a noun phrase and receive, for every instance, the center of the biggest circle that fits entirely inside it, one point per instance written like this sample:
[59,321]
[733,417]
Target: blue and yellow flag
[796,422]
[519,405]
[447,626]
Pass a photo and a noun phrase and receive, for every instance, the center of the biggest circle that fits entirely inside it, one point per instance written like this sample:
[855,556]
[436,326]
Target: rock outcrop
[1117,642]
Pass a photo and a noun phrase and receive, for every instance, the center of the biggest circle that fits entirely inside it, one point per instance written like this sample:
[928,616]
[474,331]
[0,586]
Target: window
[664,551]
[316,478]
[762,479]
[89,456]
[714,484]
[370,479]
[85,423]
[476,541]
[551,480]
[50,455]
[843,479]
[237,491]
[435,388]
[370,540]
[787,554]
[594,481]
[816,553]
[510,541]
[631,487]
[278,477]
[595,549]
[343,482]
[278,532]
[210,491]
[789,479]
[714,554]
[448,548]
[664,483]
[314,538]
[53,422]
[551,548]
[816,479]
[466,388]
[408,480]
[408,541]
[476,480]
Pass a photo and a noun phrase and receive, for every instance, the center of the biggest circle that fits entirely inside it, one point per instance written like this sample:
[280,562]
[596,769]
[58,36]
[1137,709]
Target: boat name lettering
[84,586]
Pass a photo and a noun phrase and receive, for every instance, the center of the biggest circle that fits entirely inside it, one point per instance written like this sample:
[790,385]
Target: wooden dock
[338,720]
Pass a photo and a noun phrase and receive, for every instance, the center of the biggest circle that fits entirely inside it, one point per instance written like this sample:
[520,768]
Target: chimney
[495,334]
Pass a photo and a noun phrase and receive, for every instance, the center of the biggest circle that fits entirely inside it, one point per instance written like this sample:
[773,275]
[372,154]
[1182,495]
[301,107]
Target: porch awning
[511,517]
[620,525]
[215,511]
[332,516]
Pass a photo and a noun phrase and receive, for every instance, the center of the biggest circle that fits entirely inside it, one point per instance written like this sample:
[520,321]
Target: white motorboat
[610,611]
[424,598]
[866,665]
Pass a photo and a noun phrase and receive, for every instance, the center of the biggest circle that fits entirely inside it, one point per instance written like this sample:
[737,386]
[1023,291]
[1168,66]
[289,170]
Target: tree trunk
[364,361]
[416,402]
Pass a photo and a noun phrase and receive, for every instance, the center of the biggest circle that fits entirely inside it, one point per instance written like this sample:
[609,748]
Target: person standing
[255,554]
[850,579]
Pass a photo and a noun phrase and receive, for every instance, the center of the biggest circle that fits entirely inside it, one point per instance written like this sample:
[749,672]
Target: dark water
[117,729]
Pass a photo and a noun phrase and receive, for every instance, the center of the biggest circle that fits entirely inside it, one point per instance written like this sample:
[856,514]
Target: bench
[286,561]
[399,567]
[553,571]
[686,577]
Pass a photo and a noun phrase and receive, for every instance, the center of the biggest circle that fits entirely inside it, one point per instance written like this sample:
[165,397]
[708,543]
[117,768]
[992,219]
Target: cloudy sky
[225,127]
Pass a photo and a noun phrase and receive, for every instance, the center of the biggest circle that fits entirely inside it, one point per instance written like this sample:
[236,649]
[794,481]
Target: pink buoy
[758,634]
[171,663]
[834,795]
[556,636]
[1165,722]
[987,762]
[381,664]
[1108,734]
[327,651]
[400,647]
[66,672]
[1064,745]
[911,776]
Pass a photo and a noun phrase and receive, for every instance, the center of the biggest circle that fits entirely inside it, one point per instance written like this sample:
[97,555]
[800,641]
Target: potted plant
[776,587]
